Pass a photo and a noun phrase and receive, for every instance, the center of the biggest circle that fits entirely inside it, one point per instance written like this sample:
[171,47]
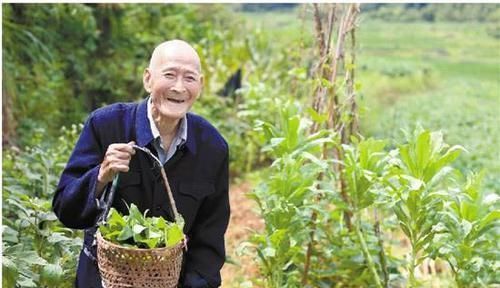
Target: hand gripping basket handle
[165,181]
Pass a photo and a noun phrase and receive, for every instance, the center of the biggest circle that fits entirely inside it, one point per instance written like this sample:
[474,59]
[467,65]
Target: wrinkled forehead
[176,55]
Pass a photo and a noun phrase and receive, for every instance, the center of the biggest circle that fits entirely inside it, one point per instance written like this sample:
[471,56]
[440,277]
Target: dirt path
[243,218]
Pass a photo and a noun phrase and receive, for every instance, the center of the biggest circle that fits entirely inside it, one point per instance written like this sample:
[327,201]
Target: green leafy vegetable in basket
[137,230]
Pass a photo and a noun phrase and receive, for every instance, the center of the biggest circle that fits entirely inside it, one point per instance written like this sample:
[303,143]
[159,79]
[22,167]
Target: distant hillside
[431,12]
[407,12]
[252,7]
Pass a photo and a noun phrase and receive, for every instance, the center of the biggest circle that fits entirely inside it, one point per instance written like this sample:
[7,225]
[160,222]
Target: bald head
[173,79]
[174,49]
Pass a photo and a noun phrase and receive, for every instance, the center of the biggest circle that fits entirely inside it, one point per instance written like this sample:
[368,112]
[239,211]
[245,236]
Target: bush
[38,251]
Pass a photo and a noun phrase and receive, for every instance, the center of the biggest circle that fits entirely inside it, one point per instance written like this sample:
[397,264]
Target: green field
[443,76]
[449,80]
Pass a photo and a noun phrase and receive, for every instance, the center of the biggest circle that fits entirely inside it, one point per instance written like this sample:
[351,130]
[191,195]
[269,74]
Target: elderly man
[193,153]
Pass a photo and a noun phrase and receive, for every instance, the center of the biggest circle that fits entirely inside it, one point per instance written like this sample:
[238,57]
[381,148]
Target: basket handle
[169,192]
[165,179]
[111,196]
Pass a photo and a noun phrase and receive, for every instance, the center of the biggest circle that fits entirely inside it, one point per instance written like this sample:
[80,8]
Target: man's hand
[116,159]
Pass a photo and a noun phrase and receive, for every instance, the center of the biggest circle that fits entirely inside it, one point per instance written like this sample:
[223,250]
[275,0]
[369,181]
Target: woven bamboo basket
[139,268]
[121,266]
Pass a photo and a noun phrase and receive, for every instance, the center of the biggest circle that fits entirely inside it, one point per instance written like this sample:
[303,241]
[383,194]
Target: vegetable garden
[370,157]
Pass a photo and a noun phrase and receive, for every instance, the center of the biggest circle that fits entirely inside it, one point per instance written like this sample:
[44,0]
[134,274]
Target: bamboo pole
[327,70]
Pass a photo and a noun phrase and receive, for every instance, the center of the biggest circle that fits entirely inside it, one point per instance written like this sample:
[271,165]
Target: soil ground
[243,219]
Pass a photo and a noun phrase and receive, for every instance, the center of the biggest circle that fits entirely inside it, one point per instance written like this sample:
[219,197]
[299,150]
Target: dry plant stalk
[346,25]
[318,102]
[327,69]
[319,30]
[322,69]
[351,93]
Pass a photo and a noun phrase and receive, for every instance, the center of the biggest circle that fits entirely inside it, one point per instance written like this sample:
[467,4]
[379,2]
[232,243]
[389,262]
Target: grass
[444,76]
[449,79]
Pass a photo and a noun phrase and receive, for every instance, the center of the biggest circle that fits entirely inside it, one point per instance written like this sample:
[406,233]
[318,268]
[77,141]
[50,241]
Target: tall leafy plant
[418,184]
[37,250]
[285,198]
[364,163]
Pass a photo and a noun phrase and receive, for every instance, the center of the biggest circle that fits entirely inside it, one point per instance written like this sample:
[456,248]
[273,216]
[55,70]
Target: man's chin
[173,115]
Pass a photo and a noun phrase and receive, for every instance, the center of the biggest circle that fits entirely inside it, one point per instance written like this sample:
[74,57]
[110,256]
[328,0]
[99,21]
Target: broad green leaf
[51,275]
[437,141]
[439,228]
[466,227]
[319,118]
[26,283]
[477,263]
[292,132]
[315,160]
[160,223]
[125,233]
[150,242]
[401,212]
[405,229]
[20,207]
[404,152]
[413,183]
[436,178]
[174,235]
[114,218]
[276,142]
[9,234]
[424,241]
[269,252]
[413,204]
[57,238]
[135,214]
[297,195]
[490,218]
[9,272]
[423,151]
[277,237]
[137,228]
[30,257]
[446,159]
[108,233]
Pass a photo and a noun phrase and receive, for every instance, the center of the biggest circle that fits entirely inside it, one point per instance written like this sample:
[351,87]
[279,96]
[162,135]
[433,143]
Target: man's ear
[202,82]
[146,80]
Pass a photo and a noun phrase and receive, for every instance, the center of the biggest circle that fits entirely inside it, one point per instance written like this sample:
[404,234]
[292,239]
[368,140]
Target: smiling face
[173,79]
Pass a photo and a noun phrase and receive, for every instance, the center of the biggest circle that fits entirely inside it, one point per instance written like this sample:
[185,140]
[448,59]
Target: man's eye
[169,75]
[190,78]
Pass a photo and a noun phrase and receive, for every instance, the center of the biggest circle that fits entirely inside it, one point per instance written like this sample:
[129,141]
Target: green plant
[469,235]
[418,184]
[364,162]
[37,250]
[286,198]
[140,231]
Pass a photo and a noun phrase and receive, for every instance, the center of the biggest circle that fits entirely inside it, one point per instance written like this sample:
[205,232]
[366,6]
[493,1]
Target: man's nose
[179,86]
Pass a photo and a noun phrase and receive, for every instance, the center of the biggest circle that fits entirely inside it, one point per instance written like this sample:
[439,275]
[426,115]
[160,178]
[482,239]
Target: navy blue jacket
[198,177]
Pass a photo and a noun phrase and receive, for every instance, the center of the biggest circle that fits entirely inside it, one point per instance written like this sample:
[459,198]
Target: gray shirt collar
[179,139]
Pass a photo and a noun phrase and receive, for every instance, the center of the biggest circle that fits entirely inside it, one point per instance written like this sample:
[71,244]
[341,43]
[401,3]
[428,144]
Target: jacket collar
[191,136]
[143,132]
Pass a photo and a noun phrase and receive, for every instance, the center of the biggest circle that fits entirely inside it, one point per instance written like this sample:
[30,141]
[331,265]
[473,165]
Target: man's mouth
[177,101]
